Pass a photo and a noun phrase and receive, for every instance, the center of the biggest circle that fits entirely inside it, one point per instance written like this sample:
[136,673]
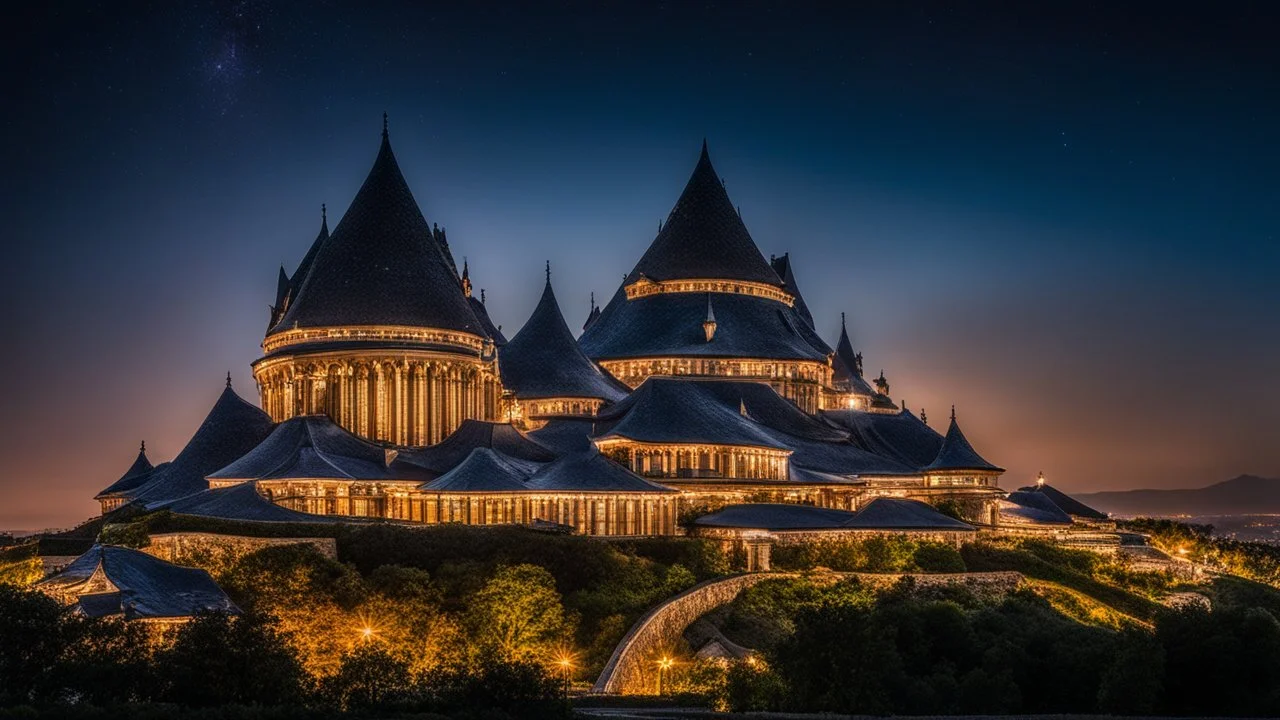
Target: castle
[387,392]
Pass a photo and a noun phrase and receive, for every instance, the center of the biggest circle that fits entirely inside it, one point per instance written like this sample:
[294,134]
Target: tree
[219,659]
[31,625]
[517,614]
[369,678]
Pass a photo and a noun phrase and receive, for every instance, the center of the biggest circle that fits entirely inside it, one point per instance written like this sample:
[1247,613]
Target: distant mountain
[1244,495]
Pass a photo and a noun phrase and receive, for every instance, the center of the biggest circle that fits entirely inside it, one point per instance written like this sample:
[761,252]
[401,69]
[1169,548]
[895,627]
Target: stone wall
[632,669]
[212,552]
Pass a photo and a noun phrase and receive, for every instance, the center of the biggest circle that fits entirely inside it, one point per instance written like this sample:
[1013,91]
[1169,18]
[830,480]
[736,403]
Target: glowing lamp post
[565,666]
[664,664]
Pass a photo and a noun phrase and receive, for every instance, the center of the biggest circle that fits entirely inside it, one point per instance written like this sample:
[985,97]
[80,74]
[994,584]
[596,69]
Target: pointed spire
[228,378]
[482,296]
[384,126]
[466,278]
[957,454]
[593,299]
[709,324]
[924,416]
[143,448]
[548,272]
[324,214]
[953,407]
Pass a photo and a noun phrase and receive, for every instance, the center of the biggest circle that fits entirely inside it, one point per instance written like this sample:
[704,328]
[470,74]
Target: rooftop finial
[953,413]
[481,296]
[842,321]
[548,272]
[593,299]
[228,378]
[924,416]
[384,125]
[1040,479]
[143,449]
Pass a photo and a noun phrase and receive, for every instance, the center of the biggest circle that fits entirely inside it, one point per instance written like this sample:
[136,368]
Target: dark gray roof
[382,265]
[735,412]
[879,514]
[482,314]
[471,434]
[671,324]
[310,447]
[485,470]
[565,434]
[1068,504]
[899,436]
[782,266]
[901,514]
[844,364]
[957,454]
[232,428]
[703,237]
[135,476]
[1033,507]
[543,360]
[589,471]
[239,502]
[776,516]
[145,586]
[287,288]
[668,410]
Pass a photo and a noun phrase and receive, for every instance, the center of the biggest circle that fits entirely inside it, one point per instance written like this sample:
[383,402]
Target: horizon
[1076,253]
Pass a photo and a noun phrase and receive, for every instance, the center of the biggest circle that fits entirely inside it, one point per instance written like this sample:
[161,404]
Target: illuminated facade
[389,393]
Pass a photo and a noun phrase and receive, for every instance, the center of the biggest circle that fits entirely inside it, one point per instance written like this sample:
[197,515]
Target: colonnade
[714,461]
[801,381]
[403,401]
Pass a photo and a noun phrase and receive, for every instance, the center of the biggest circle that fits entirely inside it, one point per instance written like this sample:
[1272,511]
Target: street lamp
[664,664]
[565,666]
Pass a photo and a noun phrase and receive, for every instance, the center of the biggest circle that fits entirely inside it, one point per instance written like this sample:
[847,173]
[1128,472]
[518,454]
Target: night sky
[1063,220]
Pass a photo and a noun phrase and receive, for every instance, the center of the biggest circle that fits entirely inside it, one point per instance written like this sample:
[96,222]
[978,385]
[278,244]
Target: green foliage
[369,678]
[20,565]
[1250,560]
[876,554]
[518,616]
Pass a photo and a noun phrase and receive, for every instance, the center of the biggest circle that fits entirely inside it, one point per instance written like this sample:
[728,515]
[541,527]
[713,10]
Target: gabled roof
[310,447]
[1032,507]
[703,237]
[382,265]
[240,502]
[782,266]
[901,514]
[589,471]
[543,360]
[110,580]
[1068,504]
[485,470]
[900,436]
[957,454]
[670,324]
[232,428]
[471,434]
[135,476]
[845,368]
[667,410]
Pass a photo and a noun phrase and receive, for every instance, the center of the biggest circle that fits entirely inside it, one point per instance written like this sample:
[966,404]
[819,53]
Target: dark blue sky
[1062,218]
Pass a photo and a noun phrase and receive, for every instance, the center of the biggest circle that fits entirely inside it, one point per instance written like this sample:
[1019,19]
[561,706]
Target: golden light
[1182,551]
[665,663]
[366,632]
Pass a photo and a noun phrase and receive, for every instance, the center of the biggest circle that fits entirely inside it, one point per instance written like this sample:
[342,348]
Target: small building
[755,528]
[116,494]
[112,581]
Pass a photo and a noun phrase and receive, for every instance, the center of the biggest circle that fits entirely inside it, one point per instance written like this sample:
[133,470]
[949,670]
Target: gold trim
[644,287]
[373,334]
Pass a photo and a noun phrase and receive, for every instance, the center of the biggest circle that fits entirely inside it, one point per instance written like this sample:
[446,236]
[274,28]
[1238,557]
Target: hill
[1243,495]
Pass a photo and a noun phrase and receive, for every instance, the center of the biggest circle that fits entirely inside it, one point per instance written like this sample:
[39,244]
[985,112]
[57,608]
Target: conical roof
[900,436]
[232,428]
[241,502]
[957,454]
[845,365]
[589,471]
[543,360]
[482,314]
[287,288]
[782,266]
[135,476]
[485,470]
[670,410]
[1068,504]
[1032,507]
[381,265]
[704,237]
[888,513]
